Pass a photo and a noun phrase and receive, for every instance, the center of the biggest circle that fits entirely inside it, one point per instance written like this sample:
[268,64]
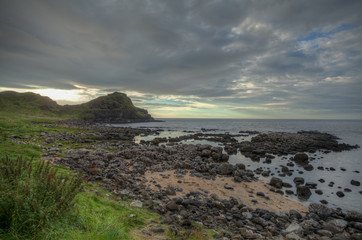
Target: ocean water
[349,131]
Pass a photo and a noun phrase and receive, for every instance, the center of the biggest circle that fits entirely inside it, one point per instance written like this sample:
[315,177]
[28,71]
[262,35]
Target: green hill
[115,107]
[28,103]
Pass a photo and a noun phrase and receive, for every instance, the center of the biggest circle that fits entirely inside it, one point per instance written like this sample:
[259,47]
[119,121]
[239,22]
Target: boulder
[137,204]
[301,158]
[340,194]
[335,225]
[318,191]
[308,167]
[172,206]
[294,214]
[354,216]
[226,169]
[276,182]
[224,157]
[341,236]
[293,236]
[206,153]
[293,227]
[240,166]
[298,180]
[311,185]
[355,183]
[322,211]
[303,193]
[170,191]
[215,155]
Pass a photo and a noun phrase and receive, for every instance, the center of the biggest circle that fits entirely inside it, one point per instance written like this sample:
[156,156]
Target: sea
[347,164]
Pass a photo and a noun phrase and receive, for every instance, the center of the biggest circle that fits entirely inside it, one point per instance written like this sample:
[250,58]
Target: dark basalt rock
[355,183]
[318,191]
[308,167]
[290,192]
[276,182]
[226,169]
[295,214]
[122,170]
[172,206]
[303,193]
[322,211]
[298,180]
[354,216]
[287,185]
[301,158]
[311,184]
[281,143]
[340,194]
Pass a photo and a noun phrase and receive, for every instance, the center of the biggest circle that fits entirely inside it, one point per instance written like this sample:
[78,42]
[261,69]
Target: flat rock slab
[291,143]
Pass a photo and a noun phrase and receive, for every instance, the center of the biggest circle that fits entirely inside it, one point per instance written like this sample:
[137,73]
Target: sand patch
[244,191]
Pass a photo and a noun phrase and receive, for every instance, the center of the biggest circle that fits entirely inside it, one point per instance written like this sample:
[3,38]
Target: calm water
[349,131]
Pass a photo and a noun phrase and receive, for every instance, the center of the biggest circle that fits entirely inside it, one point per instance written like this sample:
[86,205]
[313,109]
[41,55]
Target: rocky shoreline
[141,173]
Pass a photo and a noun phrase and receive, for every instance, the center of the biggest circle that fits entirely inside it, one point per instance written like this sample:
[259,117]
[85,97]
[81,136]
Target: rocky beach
[187,183]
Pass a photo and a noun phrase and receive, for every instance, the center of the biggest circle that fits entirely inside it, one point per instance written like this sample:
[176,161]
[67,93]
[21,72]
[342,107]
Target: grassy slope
[31,105]
[113,102]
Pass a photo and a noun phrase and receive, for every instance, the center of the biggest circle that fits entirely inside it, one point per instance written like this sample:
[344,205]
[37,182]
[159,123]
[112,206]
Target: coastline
[142,172]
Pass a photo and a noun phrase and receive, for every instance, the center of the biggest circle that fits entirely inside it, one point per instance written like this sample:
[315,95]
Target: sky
[190,58]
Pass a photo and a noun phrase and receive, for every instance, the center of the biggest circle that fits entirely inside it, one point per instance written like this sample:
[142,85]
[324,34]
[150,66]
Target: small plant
[4,135]
[194,233]
[32,195]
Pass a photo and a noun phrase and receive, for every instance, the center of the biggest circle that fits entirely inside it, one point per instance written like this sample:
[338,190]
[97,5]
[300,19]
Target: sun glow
[62,96]
[58,94]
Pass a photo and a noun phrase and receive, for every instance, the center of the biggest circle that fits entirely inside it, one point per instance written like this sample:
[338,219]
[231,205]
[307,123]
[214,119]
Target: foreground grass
[99,218]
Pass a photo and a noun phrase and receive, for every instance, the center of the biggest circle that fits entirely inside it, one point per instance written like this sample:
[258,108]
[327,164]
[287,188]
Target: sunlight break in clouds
[62,96]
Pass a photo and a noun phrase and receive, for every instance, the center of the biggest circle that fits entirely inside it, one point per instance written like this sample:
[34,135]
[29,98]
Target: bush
[32,195]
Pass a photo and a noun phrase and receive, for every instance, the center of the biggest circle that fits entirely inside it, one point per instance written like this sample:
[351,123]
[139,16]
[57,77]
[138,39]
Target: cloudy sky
[192,58]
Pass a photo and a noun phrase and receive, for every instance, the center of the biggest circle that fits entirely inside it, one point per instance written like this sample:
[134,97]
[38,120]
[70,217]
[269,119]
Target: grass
[195,233]
[31,195]
[99,218]
[96,218]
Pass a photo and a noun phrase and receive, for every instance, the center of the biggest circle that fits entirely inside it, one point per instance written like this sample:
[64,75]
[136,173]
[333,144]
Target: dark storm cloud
[229,51]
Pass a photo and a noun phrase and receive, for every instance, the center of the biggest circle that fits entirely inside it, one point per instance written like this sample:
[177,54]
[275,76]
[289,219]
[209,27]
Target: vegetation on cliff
[115,107]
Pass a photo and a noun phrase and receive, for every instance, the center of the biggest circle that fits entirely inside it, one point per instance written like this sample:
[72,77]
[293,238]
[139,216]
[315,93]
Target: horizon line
[343,119]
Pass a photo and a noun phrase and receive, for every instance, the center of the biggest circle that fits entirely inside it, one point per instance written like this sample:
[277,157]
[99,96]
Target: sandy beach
[244,192]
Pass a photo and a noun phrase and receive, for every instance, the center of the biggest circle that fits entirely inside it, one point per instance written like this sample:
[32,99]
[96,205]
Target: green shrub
[32,195]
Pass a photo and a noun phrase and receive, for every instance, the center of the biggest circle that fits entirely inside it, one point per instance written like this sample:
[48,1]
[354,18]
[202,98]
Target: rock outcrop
[113,108]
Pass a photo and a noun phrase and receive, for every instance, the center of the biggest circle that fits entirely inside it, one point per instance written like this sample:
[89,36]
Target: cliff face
[113,108]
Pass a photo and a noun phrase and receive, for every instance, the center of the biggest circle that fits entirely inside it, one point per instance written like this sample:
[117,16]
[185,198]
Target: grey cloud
[198,48]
